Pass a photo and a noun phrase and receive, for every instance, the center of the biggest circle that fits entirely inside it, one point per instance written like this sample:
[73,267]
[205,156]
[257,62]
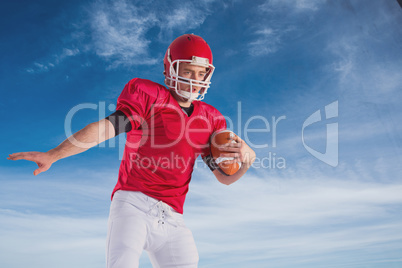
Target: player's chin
[184,100]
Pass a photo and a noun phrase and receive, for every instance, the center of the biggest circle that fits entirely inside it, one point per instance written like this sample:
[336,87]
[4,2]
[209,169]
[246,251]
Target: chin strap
[188,95]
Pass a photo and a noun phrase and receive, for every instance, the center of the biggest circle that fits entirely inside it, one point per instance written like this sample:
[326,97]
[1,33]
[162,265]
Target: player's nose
[196,87]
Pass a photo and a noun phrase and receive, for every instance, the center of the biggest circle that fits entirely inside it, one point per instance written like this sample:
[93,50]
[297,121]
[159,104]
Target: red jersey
[164,142]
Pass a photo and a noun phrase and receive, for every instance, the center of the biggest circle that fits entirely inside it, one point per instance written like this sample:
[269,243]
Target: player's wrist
[248,159]
[54,155]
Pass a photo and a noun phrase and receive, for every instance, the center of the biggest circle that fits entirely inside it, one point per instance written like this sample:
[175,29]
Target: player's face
[194,72]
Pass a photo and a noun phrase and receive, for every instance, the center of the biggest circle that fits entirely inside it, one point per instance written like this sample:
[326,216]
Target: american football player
[167,129]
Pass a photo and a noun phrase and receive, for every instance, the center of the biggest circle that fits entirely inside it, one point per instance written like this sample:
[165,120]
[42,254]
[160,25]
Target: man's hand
[81,141]
[240,151]
[43,160]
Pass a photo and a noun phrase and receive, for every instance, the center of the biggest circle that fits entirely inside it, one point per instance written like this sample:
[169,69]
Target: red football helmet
[194,50]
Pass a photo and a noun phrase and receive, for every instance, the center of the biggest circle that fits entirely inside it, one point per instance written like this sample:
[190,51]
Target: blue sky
[283,59]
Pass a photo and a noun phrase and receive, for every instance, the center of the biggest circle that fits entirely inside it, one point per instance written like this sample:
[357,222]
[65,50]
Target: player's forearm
[247,157]
[86,138]
[227,180]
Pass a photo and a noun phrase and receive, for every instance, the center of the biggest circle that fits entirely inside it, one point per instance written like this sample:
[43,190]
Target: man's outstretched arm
[88,137]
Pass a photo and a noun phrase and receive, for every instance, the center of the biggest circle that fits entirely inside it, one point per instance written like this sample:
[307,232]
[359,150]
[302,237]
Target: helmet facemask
[172,78]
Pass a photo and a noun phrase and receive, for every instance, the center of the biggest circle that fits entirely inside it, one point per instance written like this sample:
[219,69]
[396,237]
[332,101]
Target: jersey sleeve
[135,103]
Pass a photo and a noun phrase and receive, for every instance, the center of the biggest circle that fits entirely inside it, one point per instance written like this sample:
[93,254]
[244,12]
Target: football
[220,138]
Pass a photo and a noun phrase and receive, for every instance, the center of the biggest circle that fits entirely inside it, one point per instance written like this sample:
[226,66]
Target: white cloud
[269,36]
[118,32]
[366,71]
[301,214]
[297,201]
[292,5]
[54,221]
[179,17]
[50,240]
[39,67]
[119,28]
[266,43]
[67,53]
[55,59]
[184,17]
[295,217]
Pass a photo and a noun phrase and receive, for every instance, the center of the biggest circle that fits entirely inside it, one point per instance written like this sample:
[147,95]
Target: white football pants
[138,222]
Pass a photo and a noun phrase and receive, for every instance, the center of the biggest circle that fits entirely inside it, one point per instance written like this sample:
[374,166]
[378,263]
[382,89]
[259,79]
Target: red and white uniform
[164,142]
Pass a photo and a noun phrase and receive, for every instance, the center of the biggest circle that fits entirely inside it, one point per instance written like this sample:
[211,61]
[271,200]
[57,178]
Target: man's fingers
[229,155]
[237,139]
[230,145]
[39,158]
[19,156]
[233,161]
[230,149]
[233,142]
[16,156]
[39,170]
[42,168]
